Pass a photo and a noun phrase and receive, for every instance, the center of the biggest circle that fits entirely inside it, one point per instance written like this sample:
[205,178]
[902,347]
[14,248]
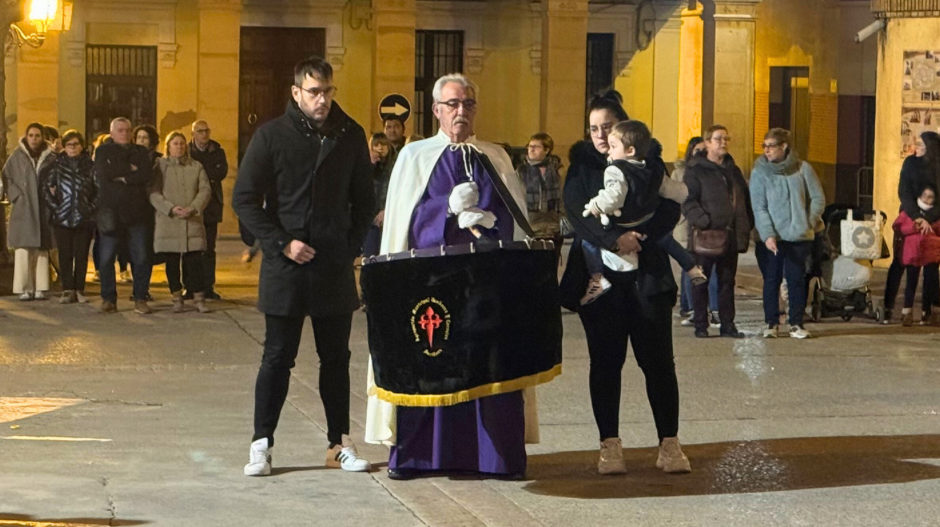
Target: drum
[456,323]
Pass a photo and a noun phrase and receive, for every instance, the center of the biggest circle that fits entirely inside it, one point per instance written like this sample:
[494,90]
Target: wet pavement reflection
[737,467]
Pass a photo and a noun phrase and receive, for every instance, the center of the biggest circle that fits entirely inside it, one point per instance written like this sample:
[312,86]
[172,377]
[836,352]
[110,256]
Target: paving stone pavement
[839,430]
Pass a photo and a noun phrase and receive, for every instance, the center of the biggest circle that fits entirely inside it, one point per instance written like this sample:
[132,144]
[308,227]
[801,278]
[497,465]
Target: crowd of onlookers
[135,204]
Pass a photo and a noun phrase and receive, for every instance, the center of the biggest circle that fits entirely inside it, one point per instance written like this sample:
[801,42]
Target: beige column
[690,77]
[564,61]
[393,59]
[217,86]
[666,85]
[729,35]
[37,84]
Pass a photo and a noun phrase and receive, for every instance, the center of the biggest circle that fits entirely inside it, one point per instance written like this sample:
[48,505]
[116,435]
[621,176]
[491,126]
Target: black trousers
[194,280]
[930,296]
[931,286]
[281,342]
[73,247]
[623,316]
[208,259]
[726,267]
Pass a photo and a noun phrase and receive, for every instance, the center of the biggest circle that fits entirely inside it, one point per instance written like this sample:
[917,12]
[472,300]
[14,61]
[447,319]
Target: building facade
[681,65]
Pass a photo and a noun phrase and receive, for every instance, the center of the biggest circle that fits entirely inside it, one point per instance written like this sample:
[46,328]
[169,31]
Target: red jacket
[919,249]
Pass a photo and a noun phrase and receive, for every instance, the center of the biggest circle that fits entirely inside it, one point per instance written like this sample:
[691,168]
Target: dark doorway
[120,81]
[600,66]
[437,53]
[266,73]
[789,104]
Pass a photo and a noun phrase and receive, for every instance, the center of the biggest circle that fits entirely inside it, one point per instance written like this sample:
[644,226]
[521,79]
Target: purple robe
[486,435]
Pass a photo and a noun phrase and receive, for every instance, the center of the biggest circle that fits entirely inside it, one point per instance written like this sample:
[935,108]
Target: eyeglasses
[468,104]
[603,130]
[316,93]
[721,139]
[768,146]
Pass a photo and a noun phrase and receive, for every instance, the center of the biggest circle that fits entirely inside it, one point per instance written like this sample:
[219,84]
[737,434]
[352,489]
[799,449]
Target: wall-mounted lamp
[45,16]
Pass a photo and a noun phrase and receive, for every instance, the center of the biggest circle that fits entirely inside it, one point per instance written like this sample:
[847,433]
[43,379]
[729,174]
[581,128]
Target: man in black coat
[212,157]
[305,190]
[124,171]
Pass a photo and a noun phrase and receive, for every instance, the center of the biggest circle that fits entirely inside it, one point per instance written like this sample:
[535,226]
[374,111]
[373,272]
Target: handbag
[862,239]
[713,242]
[710,242]
[106,220]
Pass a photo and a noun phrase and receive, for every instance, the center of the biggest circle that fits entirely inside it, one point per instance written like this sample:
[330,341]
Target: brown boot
[179,304]
[141,307]
[200,299]
[107,307]
[671,459]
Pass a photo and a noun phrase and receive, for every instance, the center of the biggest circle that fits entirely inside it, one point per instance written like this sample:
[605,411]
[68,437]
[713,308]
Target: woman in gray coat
[180,193]
[30,233]
[788,205]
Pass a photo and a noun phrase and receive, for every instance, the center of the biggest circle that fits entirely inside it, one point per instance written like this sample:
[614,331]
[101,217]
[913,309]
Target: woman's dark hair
[932,157]
[38,126]
[690,149]
[49,133]
[609,100]
[151,133]
[73,134]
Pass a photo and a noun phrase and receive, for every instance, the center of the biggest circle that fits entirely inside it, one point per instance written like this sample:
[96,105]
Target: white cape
[408,182]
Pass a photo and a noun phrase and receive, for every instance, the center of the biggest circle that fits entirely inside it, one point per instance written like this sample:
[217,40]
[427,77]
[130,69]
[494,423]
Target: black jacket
[585,178]
[381,174]
[214,161]
[121,189]
[711,205]
[915,176]
[69,190]
[297,182]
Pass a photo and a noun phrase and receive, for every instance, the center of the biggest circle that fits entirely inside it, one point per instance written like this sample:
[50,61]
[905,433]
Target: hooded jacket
[70,190]
[29,226]
[719,199]
[788,199]
[301,182]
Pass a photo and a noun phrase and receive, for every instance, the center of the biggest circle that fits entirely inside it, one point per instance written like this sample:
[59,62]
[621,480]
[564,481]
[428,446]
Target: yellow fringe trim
[450,399]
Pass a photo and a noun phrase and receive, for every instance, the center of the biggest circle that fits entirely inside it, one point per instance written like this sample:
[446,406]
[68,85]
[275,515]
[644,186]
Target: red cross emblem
[429,321]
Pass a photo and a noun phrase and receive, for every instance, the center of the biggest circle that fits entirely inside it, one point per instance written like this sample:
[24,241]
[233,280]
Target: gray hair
[120,120]
[457,78]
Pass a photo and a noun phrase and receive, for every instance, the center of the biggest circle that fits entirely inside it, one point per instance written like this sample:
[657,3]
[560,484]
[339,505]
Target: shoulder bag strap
[505,195]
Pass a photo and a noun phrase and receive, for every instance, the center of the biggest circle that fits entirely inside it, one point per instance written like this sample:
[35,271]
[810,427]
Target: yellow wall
[38,85]
[354,79]
[901,34]
[690,78]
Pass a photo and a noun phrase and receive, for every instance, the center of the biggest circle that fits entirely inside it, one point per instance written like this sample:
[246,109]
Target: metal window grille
[905,8]
[437,53]
[600,64]
[121,81]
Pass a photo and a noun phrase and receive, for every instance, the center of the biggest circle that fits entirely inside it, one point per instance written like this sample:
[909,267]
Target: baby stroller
[840,285]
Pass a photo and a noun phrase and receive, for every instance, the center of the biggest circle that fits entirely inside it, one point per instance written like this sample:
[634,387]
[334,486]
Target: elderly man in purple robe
[443,191]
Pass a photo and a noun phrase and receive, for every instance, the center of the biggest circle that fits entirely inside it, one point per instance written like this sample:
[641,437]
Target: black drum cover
[449,329]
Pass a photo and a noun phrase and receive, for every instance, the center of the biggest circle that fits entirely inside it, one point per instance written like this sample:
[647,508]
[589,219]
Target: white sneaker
[595,289]
[26,296]
[688,322]
[798,332]
[39,295]
[80,296]
[346,457]
[713,320]
[611,459]
[259,458]
[770,332]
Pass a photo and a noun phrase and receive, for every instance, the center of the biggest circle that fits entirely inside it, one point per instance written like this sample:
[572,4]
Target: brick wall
[823,128]
[761,119]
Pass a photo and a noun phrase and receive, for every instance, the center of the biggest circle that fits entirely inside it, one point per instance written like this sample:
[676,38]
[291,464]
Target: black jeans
[208,261]
[195,281]
[790,263]
[930,296]
[73,247]
[281,342]
[726,267]
[931,286]
[620,316]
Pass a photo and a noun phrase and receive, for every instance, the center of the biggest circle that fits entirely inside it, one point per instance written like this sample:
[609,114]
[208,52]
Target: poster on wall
[920,97]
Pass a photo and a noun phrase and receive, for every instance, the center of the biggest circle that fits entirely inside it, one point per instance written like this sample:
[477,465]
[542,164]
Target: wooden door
[266,74]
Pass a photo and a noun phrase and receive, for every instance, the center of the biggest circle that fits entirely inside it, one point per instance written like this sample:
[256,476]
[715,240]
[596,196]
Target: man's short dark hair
[314,67]
[633,133]
[400,121]
[49,133]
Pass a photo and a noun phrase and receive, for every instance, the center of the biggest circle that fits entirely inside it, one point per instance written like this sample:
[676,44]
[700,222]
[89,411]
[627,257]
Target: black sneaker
[212,295]
[732,332]
[701,333]
[188,295]
[887,319]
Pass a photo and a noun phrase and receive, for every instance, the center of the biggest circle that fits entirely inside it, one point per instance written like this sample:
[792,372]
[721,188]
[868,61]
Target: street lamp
[45,16]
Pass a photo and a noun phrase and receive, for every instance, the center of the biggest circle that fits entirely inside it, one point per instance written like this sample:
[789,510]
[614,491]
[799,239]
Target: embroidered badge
[430,321]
